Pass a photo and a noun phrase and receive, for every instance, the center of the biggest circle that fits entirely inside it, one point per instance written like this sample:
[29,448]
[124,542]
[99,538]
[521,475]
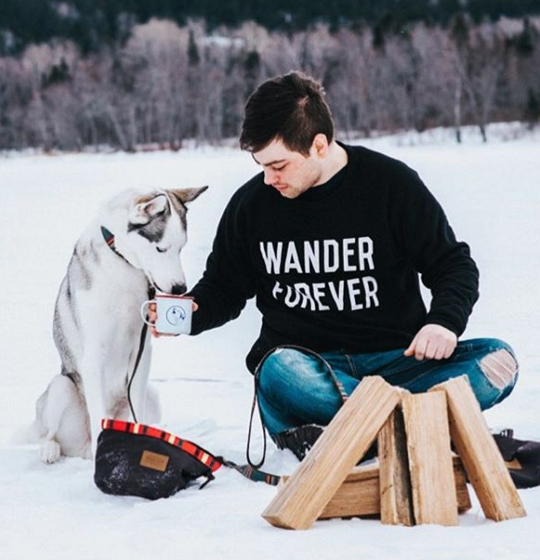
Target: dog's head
[155,234]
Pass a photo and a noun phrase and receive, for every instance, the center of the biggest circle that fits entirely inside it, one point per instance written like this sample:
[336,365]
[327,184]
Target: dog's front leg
[95,401]
[139,385]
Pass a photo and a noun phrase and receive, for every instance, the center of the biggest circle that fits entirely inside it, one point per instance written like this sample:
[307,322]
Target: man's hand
[152,318]
[432,342]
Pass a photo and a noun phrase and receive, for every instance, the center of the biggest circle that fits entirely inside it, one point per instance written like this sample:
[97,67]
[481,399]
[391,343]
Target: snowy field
[492,196]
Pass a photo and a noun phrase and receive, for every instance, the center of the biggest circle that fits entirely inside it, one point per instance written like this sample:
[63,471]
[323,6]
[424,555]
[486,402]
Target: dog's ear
[186,195]
[147,208]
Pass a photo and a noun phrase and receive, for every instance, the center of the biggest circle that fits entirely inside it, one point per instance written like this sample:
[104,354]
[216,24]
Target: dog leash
[142,342]
[337,384]
[109,239]
[108,236]
[250,471]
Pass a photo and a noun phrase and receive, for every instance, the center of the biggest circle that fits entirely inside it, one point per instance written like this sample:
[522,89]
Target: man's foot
[301,439]
[298,440]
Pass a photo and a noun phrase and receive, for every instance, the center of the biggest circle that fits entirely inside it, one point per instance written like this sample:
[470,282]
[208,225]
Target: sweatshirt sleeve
[227,282]
[445,264]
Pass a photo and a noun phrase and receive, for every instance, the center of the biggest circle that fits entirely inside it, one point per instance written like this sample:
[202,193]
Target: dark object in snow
[301,439]
[298,440]
[522,458]
[138,460]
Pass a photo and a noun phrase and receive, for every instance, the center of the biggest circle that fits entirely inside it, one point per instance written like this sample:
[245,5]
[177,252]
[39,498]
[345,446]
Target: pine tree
[525,41]
[532,109]
[193,51]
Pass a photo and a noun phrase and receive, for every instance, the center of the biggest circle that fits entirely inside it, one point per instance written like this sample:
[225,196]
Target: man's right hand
[152,318]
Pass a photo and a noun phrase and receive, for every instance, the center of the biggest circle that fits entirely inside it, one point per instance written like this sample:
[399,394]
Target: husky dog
[133,246]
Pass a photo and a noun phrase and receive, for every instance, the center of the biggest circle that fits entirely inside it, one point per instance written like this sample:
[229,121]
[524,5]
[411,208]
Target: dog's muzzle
[178,289]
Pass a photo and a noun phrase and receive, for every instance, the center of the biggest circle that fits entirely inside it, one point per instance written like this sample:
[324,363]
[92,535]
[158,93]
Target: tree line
[93,23]
[167,83]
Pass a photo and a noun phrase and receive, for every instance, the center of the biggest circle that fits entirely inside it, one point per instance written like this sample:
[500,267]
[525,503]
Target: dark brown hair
[290,108]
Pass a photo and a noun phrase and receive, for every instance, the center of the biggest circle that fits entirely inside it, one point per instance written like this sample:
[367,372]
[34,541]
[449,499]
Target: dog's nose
[178,289]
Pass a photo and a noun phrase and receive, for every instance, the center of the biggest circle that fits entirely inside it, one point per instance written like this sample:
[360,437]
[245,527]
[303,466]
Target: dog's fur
[97,322]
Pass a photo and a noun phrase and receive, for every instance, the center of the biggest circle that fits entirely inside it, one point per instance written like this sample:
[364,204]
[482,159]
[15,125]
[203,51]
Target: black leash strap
[108,236]
[142,341]
[250,429]
[137,361]
[253,474]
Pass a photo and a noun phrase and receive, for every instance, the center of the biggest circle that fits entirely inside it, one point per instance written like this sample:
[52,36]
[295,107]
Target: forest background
[134,75]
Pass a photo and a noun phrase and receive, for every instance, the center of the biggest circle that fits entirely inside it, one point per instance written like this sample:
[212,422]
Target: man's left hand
[432,342]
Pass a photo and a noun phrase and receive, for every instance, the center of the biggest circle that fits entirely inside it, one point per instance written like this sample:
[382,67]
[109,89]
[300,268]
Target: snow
[491,194]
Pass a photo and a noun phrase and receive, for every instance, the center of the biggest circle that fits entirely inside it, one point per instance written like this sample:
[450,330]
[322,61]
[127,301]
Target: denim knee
[275,373]
[294,383]
[496,372]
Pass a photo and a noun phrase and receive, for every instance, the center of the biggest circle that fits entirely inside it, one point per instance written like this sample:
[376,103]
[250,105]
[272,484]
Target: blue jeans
[296,388]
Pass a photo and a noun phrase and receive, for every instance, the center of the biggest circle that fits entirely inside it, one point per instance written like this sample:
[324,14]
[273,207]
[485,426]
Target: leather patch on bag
[154,461]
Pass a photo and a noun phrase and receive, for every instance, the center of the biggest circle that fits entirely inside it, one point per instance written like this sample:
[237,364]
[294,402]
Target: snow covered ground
[492,196]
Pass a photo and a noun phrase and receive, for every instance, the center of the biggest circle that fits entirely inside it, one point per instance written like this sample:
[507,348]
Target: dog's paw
[50,452]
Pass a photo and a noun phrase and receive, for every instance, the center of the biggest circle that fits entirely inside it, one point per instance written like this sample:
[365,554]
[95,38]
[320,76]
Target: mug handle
[144,314]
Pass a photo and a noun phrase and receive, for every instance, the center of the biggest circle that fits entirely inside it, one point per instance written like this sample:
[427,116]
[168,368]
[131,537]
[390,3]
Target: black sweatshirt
[337,268]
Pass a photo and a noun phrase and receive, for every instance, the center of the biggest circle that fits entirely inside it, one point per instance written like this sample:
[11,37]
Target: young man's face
[290,173]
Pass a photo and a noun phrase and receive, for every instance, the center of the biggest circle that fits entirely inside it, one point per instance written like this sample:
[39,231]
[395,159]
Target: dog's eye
[160,250]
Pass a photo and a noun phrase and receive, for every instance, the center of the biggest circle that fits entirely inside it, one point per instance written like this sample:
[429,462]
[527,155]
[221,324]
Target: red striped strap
[141,429]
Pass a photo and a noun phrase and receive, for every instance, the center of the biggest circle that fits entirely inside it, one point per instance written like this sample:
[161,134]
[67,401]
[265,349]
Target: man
[330,239]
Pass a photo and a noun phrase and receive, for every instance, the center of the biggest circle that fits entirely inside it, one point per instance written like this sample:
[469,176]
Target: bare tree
[167,83]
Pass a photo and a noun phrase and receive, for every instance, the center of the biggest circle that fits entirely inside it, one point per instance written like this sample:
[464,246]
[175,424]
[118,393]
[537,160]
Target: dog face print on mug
[173,313]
